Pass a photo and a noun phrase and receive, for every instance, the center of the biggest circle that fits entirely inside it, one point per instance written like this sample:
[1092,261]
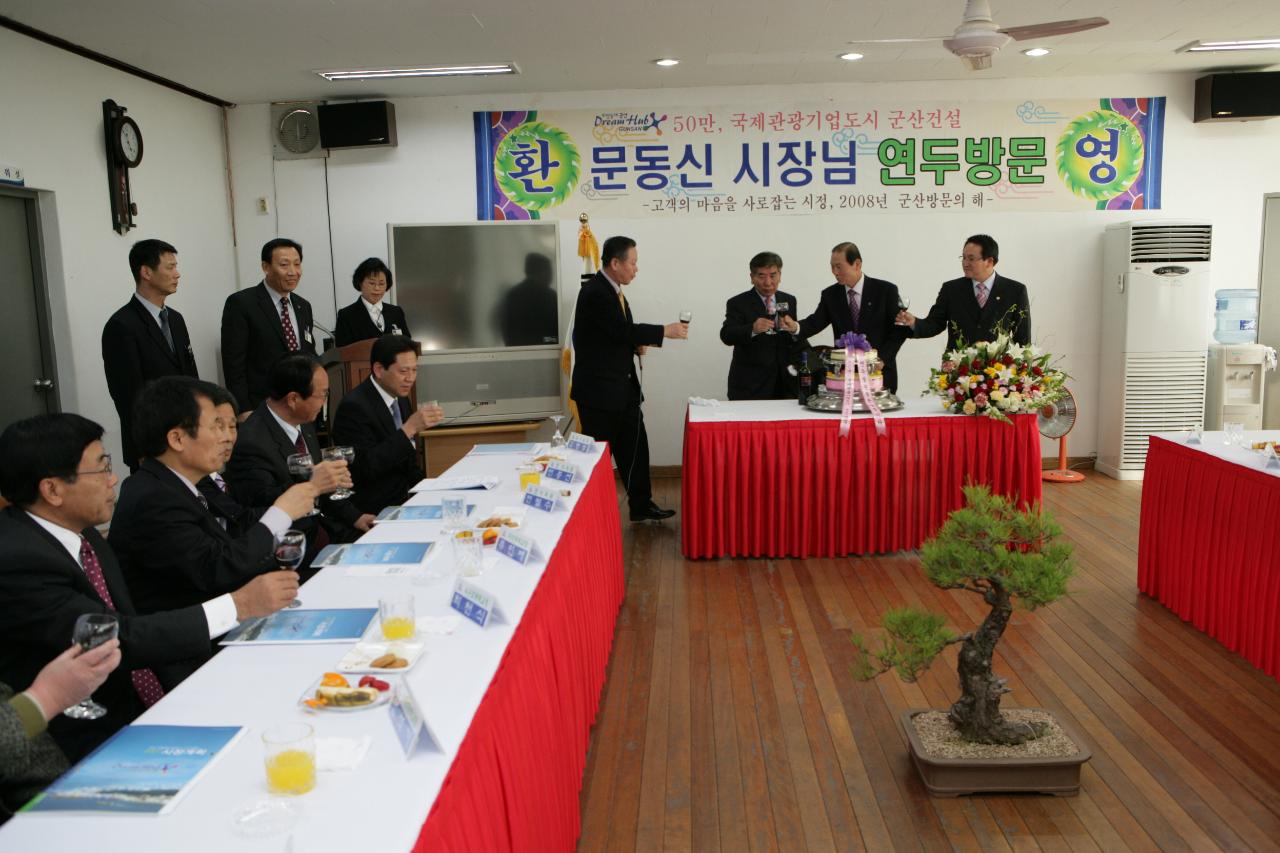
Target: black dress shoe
[652,512]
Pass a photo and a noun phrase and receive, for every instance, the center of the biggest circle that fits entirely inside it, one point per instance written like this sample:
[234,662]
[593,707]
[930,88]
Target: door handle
[43,384]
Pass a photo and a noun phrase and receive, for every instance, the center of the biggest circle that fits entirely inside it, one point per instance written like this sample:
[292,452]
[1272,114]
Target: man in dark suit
[370,316]
[858,303]
[145,339]
[173,551]
[377,421]
[55,566]
[263,323]
[980,305]
[283,425]
[758,370]
[606,340]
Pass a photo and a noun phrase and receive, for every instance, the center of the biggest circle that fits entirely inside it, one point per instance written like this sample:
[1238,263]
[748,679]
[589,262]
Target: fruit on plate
[376,683]
[346,697]
[489,536]
[333,679]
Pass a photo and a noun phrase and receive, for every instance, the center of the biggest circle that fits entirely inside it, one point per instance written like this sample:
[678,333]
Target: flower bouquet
[996,379]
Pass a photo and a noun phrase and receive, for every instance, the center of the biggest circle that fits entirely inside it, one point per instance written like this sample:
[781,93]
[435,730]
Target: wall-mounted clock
[124,152]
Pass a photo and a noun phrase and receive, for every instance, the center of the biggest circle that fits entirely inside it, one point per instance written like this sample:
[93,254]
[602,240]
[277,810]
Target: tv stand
[443,446]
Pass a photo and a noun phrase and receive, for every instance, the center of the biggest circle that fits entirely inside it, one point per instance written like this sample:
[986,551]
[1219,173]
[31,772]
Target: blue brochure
[419,512]
[304,626]
[372,554]
[140,770]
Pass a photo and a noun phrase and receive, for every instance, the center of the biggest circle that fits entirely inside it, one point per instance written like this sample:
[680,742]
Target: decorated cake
[836,367]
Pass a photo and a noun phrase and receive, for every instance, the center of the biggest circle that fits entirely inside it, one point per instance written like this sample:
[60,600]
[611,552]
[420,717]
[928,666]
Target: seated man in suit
[758,370]
[376,419]
[283,425]
[858,303]
[29,758]
[260,324]
[163,515]
[145,339]
[55,566]
[978,306]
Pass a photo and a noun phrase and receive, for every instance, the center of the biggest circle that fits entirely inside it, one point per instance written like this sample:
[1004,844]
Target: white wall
[51,102]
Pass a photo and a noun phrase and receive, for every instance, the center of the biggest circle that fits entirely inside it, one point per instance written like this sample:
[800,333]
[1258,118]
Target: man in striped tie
[978,306]
[55,566]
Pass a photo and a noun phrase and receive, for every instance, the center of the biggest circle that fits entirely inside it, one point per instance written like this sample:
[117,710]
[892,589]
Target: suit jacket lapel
[71,563]
[153,332]
[991,311]
[171,482]
[312,440]
[286,447]
[271,308]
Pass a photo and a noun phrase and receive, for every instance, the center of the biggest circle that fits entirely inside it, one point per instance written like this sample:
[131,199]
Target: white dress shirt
[375,313]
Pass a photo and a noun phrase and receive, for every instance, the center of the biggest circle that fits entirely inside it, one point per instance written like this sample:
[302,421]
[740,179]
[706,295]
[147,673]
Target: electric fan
[1055,421]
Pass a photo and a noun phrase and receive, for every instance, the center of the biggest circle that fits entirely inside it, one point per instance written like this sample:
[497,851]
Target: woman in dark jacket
[370,316]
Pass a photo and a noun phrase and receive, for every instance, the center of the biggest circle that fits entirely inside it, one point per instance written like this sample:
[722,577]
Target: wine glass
[558,439]
[340,453]
[783,308]
[301,466]
[92,629]
[686,317]
[289,552]
[904,302]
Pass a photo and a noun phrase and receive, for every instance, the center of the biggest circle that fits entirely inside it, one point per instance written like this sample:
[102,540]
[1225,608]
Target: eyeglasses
[105,469]
[973,259]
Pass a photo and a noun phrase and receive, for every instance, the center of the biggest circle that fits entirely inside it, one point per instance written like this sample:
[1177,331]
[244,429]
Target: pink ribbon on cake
[864,386]
[846,407]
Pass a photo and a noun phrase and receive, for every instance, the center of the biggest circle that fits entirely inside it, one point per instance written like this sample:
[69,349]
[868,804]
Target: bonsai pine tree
[1004,554]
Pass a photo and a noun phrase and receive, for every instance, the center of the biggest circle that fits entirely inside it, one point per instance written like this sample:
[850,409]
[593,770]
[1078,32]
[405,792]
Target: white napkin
[702,401]
[438,625]
[341,753]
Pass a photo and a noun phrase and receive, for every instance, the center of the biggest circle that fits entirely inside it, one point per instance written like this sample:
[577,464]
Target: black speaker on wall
[359,124]
[1238,97]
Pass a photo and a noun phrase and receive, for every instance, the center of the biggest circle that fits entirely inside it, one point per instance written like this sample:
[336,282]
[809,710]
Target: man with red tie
[857,303]
[55,566]
[264,323]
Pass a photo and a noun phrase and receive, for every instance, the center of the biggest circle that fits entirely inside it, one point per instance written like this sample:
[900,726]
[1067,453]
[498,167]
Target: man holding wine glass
[55,567]
[758,369]
[161,512]
[282,429]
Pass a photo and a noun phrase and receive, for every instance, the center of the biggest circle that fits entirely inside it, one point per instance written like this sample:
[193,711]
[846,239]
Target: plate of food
[333,691]
[502,518]
[376,655]
[543,460]
[1261,446]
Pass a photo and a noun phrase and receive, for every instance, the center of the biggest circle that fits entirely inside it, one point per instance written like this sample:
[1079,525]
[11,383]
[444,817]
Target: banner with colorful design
[894,158]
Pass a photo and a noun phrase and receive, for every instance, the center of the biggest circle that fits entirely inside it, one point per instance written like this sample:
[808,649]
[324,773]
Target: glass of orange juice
[530,475]
[290,758]
[397,617]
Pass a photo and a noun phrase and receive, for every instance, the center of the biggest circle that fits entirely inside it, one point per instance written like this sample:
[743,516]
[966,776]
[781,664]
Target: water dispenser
[1234,388]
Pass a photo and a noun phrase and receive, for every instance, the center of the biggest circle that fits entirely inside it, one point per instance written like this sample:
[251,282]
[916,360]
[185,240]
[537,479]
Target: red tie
[299,444]
[144,680]
[290,336]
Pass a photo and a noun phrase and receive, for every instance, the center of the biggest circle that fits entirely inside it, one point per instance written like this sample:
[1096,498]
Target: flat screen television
[483,299]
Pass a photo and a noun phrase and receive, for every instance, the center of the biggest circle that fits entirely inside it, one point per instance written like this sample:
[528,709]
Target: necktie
[144,680]
[622,300]
[395,414]
[377,318]
[299,444]
[770,307]
[164,328]
[853,308]
[982,294]
[290,336]
[219,482]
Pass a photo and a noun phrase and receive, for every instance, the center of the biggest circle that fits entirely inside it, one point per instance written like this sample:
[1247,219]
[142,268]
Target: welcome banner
[1024,156]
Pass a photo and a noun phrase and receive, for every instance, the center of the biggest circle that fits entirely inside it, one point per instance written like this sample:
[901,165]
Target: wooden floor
[730,720]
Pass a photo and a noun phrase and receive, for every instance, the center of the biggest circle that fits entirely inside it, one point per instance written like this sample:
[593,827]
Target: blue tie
[395,414]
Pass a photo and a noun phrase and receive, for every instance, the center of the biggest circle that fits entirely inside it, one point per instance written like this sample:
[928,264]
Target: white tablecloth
[380,806]
[914,406]
[1215,444]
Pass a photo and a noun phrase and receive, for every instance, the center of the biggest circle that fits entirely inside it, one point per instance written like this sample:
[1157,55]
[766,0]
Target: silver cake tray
[829,401]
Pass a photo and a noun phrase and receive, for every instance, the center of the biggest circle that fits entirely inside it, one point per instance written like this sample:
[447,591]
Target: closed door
[26,368]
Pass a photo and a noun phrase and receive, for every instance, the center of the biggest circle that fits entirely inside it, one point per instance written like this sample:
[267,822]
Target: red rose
[978,364]
[963,369]
[1007,360]
[1037,370]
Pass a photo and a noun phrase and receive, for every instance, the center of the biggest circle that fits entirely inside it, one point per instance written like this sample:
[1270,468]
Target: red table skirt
[797,489]
[1209,550]
[515,782]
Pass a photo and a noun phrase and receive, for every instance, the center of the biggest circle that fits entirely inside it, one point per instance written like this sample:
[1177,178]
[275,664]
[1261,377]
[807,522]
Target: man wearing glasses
[978,306]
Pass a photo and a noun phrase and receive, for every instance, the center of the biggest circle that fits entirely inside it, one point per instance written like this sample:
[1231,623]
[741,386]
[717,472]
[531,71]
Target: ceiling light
[426,71]
[1036,51]
[851,57]
[1245,44]
[666,63]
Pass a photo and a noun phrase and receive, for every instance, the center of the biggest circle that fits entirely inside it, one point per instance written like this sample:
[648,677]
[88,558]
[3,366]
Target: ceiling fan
[978,37]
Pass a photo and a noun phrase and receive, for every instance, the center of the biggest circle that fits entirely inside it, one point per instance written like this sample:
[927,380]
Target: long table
[1208,546]
[510,704]
[771,479]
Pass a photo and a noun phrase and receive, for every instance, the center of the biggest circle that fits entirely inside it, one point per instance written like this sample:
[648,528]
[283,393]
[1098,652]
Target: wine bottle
[806,379]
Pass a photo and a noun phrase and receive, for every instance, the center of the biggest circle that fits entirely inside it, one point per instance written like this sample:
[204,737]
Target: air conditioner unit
[1156,307]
